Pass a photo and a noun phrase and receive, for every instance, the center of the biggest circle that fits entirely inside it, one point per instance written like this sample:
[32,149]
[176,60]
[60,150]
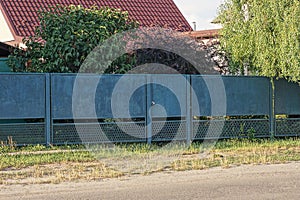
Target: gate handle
[153,103]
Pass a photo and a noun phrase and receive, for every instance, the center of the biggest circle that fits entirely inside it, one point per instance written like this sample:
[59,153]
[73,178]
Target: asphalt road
[245,182]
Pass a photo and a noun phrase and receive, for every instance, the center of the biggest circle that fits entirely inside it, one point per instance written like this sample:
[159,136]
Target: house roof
[23,17]
[205,34]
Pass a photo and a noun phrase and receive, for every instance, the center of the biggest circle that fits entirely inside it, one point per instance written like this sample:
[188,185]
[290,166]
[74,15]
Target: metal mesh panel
[168,130]
[200,129]
[23,133]
[98,133]
[287,127]
[230,128]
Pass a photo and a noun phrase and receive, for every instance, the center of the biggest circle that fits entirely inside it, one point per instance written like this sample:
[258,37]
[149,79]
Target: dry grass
[243,153]
[39,165]
[57,173]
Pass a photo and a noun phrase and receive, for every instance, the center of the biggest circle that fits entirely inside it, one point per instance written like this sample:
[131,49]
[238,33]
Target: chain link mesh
[98,133]
[230,128]
[33,133]
[287,127]
[168,130]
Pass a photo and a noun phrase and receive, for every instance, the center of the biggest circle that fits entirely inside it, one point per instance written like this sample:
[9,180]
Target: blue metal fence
[83,108]
[23,108]
[287,103]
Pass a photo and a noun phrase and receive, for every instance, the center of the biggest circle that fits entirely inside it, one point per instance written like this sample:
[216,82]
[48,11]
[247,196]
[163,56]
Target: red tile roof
[205,34]
[23,13]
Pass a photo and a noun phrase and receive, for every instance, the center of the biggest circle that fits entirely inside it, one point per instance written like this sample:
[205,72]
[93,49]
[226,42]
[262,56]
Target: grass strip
[67,163]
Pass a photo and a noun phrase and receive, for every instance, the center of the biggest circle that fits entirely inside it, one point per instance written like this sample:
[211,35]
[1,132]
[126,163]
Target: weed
[251,134]
[7,146]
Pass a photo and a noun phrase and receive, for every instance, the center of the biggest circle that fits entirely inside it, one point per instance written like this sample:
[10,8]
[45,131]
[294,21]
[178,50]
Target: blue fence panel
[157,100]
[239,95]
[168,95]
[287,97]
[61,96]
[98,96]
[201,101]
[22,96]
[247,95]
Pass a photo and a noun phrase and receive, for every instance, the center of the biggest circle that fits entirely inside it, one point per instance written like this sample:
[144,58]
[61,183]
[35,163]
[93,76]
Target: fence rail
[85,108]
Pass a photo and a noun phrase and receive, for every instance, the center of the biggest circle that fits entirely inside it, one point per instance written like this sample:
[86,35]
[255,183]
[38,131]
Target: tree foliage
[66,35]
[177,50]
[262,36]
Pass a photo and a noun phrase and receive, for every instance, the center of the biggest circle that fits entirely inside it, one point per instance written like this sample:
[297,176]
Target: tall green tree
[262,36]
[66,35]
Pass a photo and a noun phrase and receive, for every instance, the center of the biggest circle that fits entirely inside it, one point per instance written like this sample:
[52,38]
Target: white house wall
[5,33]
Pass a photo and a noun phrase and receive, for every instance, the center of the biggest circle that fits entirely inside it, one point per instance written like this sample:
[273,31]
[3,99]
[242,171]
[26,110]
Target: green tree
[66,35]
[262,36]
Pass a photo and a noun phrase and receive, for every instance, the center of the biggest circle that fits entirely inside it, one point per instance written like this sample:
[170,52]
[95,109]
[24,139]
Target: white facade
[5,33]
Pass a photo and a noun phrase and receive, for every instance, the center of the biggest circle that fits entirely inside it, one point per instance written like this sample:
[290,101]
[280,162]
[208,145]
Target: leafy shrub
[66,35]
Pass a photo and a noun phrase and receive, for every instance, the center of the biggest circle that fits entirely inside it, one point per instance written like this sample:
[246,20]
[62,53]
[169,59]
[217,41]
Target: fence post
[272,108]
[148,109]
[48,109]
[189,130]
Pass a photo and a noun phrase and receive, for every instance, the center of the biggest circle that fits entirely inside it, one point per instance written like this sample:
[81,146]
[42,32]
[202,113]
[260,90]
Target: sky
[200,11]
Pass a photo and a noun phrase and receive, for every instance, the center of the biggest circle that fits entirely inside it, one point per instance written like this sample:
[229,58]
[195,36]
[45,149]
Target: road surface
[246,182]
